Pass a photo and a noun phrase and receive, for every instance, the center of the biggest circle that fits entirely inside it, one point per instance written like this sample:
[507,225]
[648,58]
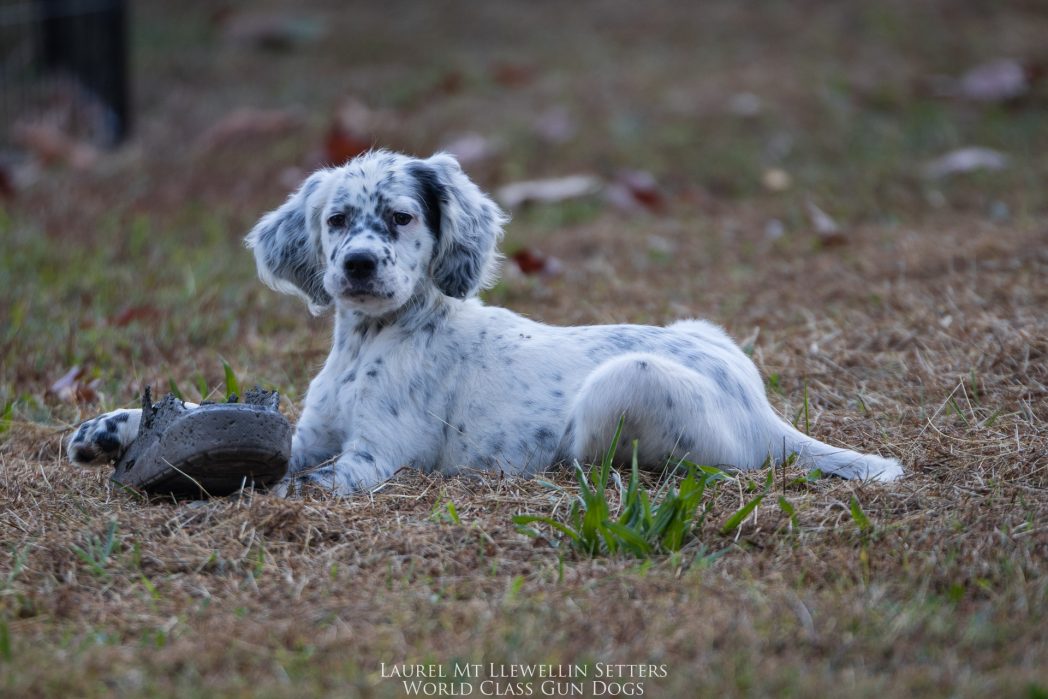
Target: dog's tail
[836,460]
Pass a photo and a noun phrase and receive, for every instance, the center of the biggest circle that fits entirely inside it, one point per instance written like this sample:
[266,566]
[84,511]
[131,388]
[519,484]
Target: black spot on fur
[545,437]
[431,195]
[107,443]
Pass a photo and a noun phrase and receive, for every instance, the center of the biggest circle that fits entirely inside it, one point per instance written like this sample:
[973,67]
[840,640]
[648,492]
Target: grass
[922,335]
[641,528]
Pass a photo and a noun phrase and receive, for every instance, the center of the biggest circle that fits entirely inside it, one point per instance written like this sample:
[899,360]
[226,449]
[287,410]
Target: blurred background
[660,159]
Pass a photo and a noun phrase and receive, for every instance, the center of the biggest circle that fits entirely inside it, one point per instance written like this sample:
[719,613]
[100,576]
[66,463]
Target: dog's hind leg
[672,411]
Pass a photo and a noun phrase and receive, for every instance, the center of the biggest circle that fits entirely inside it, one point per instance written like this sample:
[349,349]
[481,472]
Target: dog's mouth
[364,291]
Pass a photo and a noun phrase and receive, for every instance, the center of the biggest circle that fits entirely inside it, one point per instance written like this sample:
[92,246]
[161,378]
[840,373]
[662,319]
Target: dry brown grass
[923,336]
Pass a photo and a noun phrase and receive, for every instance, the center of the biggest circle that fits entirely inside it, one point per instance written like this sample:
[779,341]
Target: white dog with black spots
[422,374]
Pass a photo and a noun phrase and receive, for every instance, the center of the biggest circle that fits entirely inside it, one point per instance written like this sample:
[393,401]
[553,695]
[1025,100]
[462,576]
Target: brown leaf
[51,146]
[351,131]
[131,314]
[341,145]
[534,262]
[7,183]
[512,74]
[635,190]
[72,388]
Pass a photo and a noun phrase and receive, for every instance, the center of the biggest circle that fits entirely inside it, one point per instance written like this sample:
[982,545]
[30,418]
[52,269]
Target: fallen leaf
[249,123]
[51,146]
[351,131]
[132,314]
[825,227]
[533,262]
[995,81]
[7,183]
[635,190]
[341,145]
[547,191]
[72,389]
[965,160]
[512,74]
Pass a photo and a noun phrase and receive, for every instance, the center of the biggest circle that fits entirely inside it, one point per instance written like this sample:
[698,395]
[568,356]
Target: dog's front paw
[105,438]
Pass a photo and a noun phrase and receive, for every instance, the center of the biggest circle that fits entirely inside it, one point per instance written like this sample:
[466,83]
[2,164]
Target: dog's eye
[337,221]
[402,219]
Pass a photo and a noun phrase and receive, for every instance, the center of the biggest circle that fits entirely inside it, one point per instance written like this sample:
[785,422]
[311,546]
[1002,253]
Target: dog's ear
[467,224]
[287,245]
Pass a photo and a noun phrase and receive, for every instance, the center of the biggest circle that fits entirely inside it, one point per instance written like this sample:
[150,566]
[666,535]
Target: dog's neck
[425,307]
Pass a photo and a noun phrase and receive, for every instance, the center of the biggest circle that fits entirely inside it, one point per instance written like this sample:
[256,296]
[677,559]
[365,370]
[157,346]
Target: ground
[918,331]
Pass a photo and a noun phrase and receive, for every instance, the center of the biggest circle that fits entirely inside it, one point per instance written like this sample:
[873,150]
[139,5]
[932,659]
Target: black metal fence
[64,63]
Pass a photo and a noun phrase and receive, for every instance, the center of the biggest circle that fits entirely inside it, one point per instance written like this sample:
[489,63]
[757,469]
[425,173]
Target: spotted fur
[422,374]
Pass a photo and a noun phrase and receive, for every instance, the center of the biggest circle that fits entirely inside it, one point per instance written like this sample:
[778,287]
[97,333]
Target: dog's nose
[360,265]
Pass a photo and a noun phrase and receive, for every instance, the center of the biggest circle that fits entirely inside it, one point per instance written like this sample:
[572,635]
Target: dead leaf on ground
[547,191]
[352,131]
[341,145]
[52,146]
[132,314]
[531,262]
[964,160]
[72,388]
[634,191]
[249,123]
[826,228]
[7,183]
[995,81]
[509,74]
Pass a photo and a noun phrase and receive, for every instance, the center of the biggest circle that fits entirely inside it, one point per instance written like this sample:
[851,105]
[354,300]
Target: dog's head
[374,232]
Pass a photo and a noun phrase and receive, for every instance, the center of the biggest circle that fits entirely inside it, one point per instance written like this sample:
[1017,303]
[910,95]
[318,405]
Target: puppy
[422,374]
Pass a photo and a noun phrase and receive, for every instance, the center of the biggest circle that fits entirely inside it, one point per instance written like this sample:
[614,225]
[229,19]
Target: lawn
[915,327]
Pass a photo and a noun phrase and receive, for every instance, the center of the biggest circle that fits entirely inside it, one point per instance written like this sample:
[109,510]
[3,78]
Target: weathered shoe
[214,449]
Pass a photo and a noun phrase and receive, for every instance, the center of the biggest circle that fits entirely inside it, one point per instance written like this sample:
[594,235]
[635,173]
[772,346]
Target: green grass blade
[633,541]
[741,514]
[524,520]
[232,385]
[791,512]
[863,522]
